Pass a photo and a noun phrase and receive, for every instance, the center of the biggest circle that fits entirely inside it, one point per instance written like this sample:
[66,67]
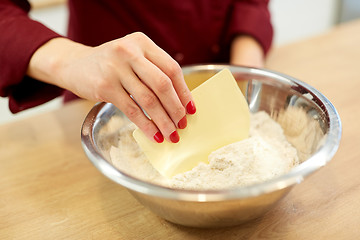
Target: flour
[264,155]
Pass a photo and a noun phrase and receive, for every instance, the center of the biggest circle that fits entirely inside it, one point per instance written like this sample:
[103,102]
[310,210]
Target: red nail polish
[190,107]
[159,137]
[182,123]
[174,137]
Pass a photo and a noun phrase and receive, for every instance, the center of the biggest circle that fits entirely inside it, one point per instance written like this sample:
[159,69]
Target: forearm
[20,38]
[46,63]
[246,51]
[250,32]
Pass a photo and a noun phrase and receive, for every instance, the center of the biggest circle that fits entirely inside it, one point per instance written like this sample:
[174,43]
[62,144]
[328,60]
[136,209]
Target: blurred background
[292,21]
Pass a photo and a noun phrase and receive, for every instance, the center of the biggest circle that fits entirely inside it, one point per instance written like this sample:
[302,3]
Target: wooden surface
[50,190]
[37,4]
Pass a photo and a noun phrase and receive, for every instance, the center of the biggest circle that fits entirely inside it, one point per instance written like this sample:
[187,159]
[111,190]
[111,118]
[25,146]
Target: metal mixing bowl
[275,93]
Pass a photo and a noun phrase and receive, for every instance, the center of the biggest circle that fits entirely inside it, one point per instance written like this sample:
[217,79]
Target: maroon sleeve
[252,17]
[20,38]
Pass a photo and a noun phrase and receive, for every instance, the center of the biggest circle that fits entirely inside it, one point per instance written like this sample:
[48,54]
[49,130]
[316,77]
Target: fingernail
[182,123]
[190,107]
[174,137]
[159,137]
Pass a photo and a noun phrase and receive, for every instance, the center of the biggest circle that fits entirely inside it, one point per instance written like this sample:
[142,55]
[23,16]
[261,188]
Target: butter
[222,117]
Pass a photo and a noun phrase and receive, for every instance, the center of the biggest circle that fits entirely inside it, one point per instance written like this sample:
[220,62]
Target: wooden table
[49,189]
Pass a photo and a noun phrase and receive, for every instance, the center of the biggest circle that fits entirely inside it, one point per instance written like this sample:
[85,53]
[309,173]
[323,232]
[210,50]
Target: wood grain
[50,190]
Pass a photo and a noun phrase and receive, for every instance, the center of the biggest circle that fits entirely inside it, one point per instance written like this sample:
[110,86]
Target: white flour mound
[264,155]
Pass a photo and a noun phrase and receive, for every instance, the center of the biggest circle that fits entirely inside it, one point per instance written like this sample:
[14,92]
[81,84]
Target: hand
[246,51]
[117,71]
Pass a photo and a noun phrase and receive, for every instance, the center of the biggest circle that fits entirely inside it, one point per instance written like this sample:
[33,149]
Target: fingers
[124,102]
[155,82]
[172,70]
[161,91]
[162,86]
[153,107]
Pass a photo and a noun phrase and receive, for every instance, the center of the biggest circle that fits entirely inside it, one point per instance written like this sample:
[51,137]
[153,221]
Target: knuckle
[102,88]
[103,83]
[132,112]
[165,125]
[129,51]
[148,101]
[179,111]
[123,47]
[139,35]
[174,70]
[147,126]
[163,84]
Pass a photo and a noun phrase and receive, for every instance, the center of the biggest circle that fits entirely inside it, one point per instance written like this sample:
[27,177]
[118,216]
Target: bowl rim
[320,158]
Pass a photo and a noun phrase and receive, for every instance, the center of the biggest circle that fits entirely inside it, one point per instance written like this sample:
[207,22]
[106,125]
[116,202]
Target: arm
[246,51]
[250,32]
[20,38]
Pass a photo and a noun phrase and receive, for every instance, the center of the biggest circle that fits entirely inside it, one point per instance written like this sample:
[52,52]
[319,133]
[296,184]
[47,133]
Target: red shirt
[191,31]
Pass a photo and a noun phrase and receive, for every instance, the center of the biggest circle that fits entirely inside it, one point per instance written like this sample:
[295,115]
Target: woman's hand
[121,71]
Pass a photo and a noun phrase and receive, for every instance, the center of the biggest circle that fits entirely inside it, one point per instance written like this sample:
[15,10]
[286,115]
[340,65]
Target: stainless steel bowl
[275,93]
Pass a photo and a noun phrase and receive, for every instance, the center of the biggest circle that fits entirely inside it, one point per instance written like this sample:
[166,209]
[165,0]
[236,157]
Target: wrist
[48,61]
[246,51]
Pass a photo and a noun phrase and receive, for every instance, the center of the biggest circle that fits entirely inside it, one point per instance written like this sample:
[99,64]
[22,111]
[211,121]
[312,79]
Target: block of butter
[222,117]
